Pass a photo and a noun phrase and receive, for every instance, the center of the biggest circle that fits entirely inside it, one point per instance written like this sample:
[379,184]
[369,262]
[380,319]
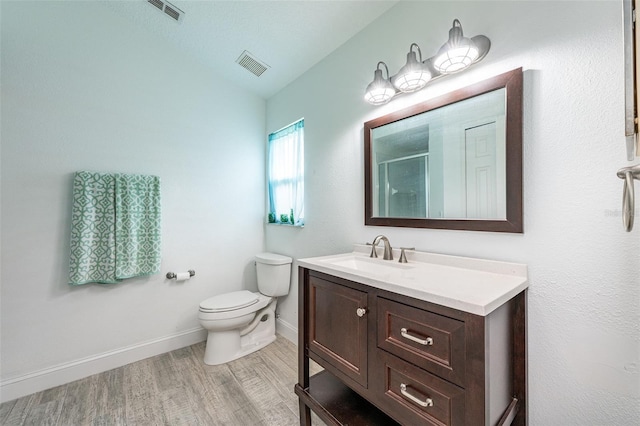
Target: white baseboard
[287,331]
[64,373]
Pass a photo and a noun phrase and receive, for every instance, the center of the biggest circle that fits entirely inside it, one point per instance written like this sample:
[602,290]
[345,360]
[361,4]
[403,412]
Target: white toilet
[242,322]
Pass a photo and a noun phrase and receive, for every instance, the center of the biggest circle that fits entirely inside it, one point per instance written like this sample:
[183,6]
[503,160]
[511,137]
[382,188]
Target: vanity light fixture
[414,75]
[456,55]
[380,90]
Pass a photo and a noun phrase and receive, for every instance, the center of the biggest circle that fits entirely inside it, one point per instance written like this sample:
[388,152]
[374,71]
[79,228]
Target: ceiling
[289,36]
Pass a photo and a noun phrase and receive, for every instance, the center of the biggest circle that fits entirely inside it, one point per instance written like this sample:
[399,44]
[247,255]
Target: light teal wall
[84,89]
[584,299]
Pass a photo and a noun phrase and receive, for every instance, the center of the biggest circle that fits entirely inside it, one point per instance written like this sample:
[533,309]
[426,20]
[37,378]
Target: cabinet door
[337,329]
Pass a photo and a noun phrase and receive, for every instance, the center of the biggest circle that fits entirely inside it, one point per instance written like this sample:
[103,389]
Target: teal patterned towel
[115,227]
[93,229]
[137,225]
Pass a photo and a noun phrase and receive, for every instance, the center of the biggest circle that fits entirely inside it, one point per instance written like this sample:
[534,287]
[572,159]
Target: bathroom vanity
[440,340]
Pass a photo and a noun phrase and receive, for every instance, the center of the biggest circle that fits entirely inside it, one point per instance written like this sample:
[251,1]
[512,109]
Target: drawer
[416,397]
[429,340]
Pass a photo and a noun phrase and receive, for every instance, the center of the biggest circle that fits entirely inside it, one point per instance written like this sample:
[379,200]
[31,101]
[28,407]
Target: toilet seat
[229,301]
[250,308]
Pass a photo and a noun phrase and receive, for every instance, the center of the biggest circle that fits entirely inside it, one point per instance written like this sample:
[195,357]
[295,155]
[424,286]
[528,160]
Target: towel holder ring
[628,174]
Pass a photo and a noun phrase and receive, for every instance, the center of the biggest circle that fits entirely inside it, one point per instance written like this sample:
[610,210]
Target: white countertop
[477,286]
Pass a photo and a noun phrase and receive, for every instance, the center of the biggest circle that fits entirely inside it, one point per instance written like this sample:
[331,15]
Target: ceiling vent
[168,9]
[251,63]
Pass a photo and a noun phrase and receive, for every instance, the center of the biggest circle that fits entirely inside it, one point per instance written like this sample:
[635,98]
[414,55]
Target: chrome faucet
[388,254]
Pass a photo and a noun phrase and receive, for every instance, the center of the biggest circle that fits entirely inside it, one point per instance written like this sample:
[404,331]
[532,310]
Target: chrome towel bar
[628,174]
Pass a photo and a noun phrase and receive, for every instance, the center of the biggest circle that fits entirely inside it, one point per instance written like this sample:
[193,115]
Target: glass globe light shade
[413,75]
[380,90]
[457,53]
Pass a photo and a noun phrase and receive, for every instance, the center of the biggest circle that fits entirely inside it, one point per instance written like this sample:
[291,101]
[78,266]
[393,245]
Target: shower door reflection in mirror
[403,187]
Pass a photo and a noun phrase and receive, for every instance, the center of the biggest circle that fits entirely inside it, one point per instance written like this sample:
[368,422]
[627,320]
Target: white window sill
[285,224]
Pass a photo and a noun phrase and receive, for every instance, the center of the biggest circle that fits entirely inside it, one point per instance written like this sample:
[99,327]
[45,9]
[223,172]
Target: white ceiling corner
[289,36]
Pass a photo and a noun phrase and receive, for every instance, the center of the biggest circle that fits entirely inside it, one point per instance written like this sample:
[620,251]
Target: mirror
[453,162]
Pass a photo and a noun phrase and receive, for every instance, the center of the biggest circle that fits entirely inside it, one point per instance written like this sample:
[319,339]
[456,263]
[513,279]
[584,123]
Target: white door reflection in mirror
[485,194]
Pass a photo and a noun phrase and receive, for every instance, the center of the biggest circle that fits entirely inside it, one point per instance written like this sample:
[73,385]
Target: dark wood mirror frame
[512,82]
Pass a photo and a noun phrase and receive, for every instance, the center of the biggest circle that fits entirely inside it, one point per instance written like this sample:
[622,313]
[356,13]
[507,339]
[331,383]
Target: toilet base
[225,346]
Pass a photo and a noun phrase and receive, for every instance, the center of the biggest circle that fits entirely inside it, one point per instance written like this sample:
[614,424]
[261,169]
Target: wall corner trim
[287,331]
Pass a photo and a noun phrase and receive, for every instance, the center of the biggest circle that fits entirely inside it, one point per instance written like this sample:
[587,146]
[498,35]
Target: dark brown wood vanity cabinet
[391,359]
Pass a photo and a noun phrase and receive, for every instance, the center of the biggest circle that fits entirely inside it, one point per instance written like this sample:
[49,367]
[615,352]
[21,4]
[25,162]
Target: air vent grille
[157,3]
[172,12]
[252,64]
[168,9]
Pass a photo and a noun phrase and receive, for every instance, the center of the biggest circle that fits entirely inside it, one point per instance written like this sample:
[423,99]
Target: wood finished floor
[175,388]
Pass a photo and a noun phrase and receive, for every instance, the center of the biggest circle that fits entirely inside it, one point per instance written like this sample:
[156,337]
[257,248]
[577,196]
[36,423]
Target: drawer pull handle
[426,403]
[426,342]
[360,312]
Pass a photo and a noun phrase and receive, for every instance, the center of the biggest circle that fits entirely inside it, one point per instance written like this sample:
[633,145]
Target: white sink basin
[477,286]
[368,265]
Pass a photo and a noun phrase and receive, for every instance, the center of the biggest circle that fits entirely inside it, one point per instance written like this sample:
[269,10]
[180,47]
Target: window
[285,175]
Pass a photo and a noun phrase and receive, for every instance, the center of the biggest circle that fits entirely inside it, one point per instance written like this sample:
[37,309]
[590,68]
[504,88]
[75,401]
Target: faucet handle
[373,251]
[403,257]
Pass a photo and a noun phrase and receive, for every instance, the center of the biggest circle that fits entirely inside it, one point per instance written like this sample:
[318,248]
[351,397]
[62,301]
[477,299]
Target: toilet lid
[229,301]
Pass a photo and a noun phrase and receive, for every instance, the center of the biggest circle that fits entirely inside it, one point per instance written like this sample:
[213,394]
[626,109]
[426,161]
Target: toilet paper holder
[172,275]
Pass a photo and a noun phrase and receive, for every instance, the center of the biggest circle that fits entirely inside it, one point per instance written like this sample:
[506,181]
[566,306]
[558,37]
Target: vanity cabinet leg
[303,351]
[305,414]
[519,361]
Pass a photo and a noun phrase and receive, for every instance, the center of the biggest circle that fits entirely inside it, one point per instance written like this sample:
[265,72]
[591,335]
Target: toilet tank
[274,274]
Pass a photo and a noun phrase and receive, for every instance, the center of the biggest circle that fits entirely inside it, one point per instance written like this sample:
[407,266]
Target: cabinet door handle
[360,312]
[426,342]
[428,402]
